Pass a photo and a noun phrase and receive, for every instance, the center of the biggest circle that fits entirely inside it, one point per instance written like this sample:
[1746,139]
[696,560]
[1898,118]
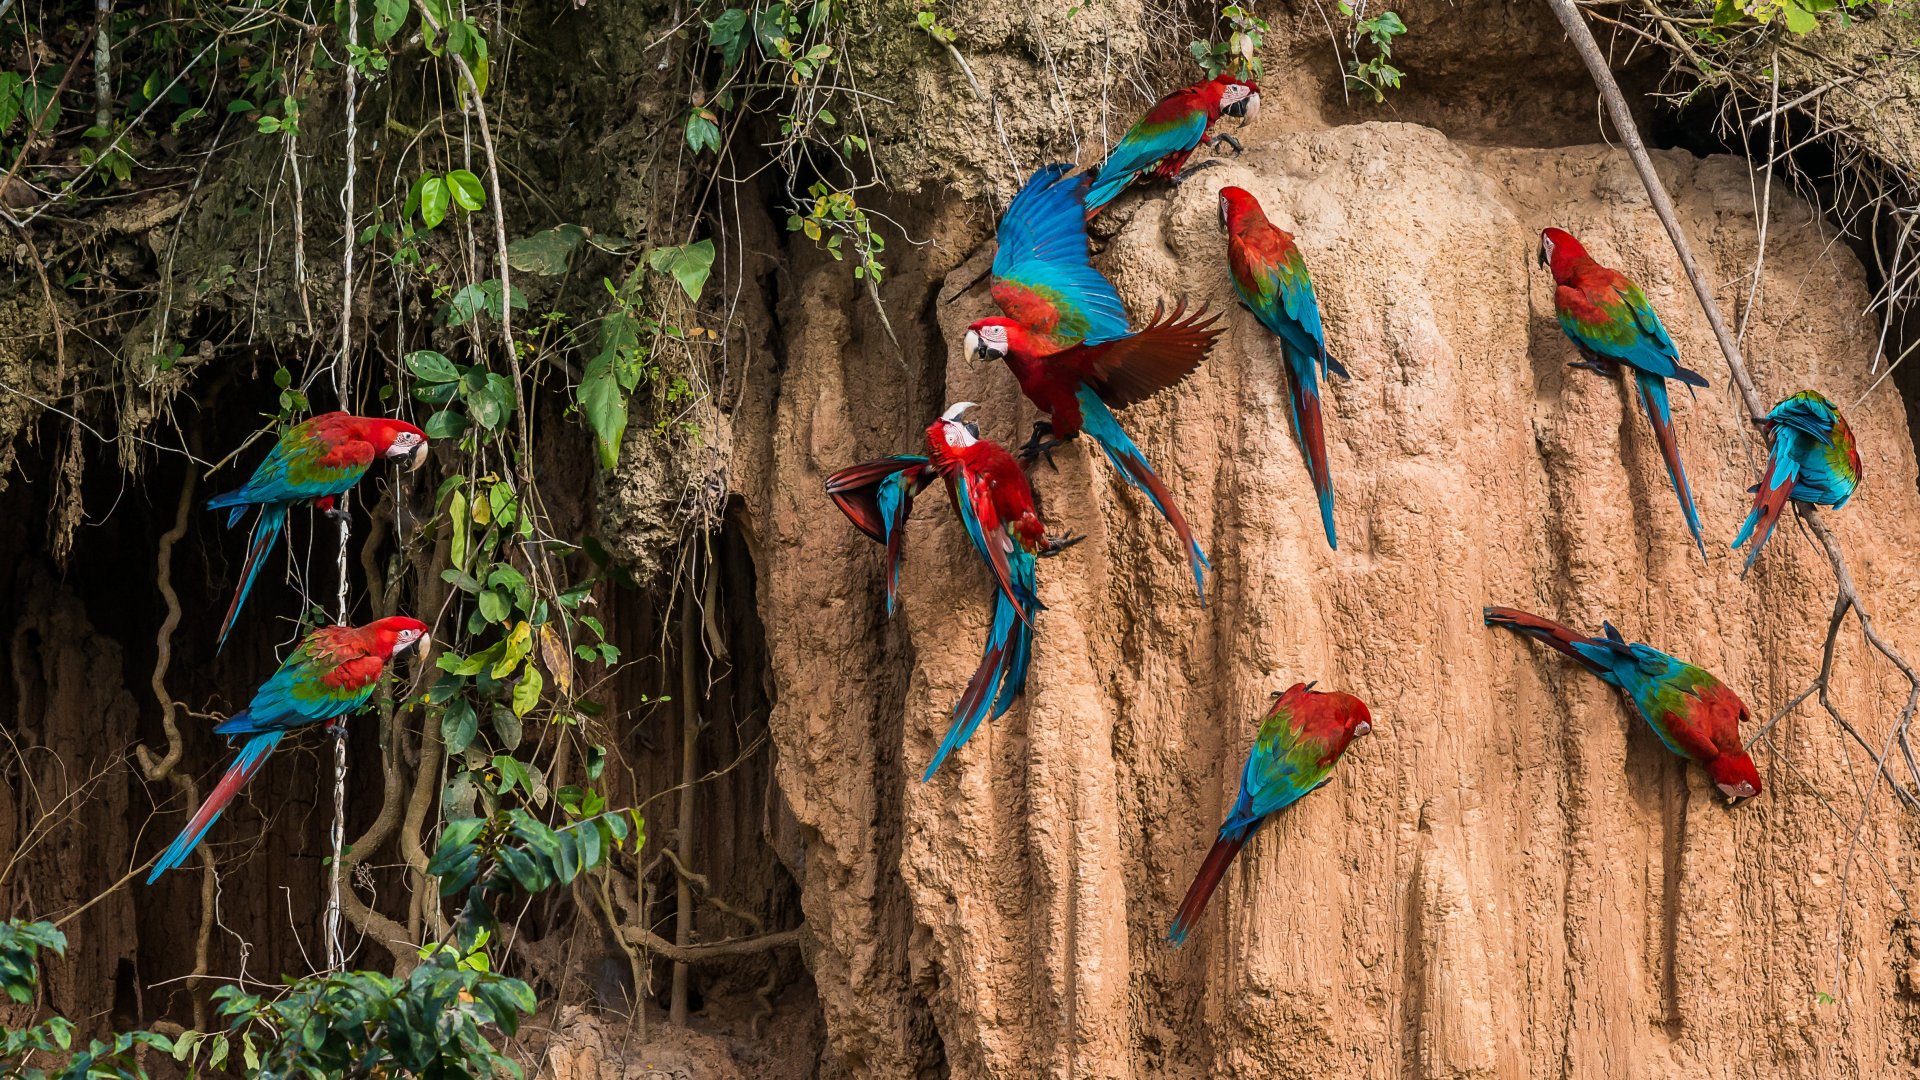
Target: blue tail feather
[1653,394]
[1098,422]
[266,532]
[1002,675]
[245,764]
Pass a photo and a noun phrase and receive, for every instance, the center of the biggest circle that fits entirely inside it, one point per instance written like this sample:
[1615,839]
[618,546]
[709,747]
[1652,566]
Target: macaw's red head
[1238,205]
[1332,718]
[1238,97]
[993,339]
[395,440]
[1559,251]
[1734,774]
[949,435]
[395,635]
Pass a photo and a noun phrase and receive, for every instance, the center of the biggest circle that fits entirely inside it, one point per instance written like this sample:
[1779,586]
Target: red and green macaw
[1694,714]
[1159,143]
[1066,338]
[1610,321]
[1300,741]
[993,499]
[1811,458]
[1271,277]
[314,461]
[331,674]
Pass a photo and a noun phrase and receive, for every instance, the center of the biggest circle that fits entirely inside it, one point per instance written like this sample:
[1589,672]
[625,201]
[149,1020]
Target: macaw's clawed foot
[337,728]
[1058,544]
[1223,137]
[1187,173]
[1594,366]
[1041,442]
[329,509]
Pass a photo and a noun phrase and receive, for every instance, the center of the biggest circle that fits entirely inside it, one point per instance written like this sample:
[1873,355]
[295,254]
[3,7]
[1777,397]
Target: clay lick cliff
[1509,876]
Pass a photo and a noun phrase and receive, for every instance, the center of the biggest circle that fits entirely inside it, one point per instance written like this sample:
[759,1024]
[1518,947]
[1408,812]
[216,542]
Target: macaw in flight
[1609,320]
[1271,277]
[315,461]
[331,674]
[1694,714]
[993,499]
[1066,338]
[1811,458]
[1158,144]
[1301,739]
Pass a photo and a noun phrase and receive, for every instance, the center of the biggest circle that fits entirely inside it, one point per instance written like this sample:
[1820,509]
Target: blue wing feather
[1139,150]
[1043,247]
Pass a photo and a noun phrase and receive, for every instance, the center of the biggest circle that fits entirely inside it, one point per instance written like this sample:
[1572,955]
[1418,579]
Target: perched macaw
[1300,740]
[990,493]
[1610,321]
[1066,338]
[1159,142]
[1692,712]
[1811,458]
[1271,278]
[331,674]
[314,461]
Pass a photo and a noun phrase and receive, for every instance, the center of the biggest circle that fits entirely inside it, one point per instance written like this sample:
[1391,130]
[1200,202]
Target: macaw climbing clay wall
[1510,876]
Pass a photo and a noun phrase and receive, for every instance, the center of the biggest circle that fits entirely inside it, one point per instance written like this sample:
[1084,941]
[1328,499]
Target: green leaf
[445,424]
[492,403]
[464,831]
[430,366]
[690,264]
[11,99]
[388,17]
[507,725]
[493,606]
[457,511]
[728,34]
[703,130]
[526,692]
[434,201]
[467,191]
[479,298]
[1798,19]
[546,253]
[513,772]
[458,725]
[605,383]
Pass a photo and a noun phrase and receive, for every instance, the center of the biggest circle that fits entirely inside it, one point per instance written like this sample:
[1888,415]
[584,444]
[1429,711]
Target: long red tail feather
[1543,630]
[1653,395]
[1204,883]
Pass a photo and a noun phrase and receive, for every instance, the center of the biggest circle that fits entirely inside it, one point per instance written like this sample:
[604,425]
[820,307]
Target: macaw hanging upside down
[1693,713]
[1811,458]
[993,499]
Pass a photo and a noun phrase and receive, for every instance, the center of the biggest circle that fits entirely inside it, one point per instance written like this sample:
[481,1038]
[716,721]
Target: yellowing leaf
[556,658]
[526,692]
[457,510]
